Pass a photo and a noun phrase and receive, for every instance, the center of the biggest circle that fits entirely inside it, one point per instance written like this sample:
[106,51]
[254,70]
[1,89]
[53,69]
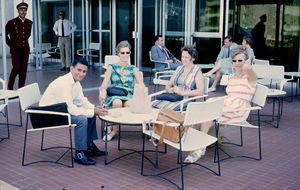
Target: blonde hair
[122,44]
[240,50]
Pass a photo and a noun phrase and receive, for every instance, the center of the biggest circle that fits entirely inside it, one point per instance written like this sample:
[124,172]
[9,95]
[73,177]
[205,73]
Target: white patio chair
[258,99]
[197,112]
[42,119]
[90,52]
[45,52]
[3,110]
[183,102]
[261,62]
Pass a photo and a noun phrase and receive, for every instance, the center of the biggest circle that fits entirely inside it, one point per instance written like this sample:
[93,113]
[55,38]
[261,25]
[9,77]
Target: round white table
[123,116]
[11,95]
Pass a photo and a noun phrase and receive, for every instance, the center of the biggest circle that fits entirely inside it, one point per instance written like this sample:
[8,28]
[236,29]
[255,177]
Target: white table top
[295,74]
[126,117]
[275,93]
[9,94]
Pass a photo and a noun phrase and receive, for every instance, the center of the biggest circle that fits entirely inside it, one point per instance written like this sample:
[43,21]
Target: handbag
[172,97]
[168,132]
[140,102]
[116,91]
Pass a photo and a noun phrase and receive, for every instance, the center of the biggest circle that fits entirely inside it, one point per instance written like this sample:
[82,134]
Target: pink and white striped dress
[239,95]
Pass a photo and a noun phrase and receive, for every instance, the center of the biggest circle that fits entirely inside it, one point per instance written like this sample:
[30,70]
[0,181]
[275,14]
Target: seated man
[160,53]
[223,61]
[67,89]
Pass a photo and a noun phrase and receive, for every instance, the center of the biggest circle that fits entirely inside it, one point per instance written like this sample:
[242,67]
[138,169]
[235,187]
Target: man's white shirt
[65,89]
[69,27]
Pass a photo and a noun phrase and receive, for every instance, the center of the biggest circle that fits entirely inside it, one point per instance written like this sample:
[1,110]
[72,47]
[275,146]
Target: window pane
[105,15]
[174,44]
[175,15]
[207,16]
[208,49]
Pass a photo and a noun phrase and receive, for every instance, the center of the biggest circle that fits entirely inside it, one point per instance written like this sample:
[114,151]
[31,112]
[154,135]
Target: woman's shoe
[108,129]
[195,155]
[109,137]
[211,89]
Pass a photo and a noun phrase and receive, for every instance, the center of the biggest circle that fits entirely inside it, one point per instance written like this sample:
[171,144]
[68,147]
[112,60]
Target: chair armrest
[242,109]
[190,99]
[50,113]
[157,93]
[3,82]
[81,52]
[163,72]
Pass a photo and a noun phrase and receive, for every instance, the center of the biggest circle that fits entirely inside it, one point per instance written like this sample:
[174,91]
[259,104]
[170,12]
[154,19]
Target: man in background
[63,29]
[17,32]
[160,54]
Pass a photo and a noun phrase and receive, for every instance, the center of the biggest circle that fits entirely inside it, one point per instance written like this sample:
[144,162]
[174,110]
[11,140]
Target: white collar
[23,20]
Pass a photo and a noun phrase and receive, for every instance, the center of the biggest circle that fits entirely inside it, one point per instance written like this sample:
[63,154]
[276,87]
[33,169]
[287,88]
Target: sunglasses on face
[237,60]
[125,52]
[61,15]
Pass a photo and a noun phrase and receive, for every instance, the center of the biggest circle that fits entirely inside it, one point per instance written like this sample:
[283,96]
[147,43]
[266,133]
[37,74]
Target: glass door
[100,30]
[79,19]
[173,25]
[207,28]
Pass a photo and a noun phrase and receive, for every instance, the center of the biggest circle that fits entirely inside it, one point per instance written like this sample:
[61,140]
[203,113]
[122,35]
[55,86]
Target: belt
[63,36]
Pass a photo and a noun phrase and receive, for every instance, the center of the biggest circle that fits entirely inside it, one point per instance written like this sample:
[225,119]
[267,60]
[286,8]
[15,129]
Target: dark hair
[63,12]
[228,37]
[191,50]
[239,50]
[248,39]
[122,44]
[81,61]
[157,37]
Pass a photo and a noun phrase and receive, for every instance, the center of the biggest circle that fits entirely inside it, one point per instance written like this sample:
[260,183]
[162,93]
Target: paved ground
[279,168]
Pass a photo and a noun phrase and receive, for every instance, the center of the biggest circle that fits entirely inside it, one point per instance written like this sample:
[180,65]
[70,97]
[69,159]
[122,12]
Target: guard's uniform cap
[22,5]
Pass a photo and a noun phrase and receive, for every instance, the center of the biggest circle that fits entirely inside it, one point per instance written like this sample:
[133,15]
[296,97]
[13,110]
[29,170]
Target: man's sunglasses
[61,15]
[237,60]
[125,52]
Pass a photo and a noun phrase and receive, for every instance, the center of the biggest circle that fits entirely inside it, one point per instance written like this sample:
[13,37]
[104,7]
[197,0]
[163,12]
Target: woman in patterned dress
[120,75]
[240,90]
[186,81]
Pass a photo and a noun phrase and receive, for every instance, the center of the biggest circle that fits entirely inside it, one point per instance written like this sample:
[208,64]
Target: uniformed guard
[17,32]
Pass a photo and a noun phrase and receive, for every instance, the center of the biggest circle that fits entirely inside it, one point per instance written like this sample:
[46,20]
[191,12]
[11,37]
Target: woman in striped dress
[240,90]
[186,81]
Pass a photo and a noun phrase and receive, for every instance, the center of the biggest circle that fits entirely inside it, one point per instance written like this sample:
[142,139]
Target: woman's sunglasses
[125,52]
[237,60]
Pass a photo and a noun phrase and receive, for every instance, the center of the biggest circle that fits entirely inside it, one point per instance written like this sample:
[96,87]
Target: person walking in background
[63,29]
[160,53]
[17,32]
[258,35]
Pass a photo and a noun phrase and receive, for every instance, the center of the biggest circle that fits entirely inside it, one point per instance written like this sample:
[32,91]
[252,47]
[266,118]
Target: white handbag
[140,102]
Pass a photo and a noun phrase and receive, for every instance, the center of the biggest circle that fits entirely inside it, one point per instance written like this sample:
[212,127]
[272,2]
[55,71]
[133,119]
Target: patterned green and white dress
[126,75]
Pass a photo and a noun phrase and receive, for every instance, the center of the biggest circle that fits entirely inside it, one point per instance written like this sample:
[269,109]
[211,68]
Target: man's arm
[156,56]
[7,33]
[55,28]
[73,26]
[171,56]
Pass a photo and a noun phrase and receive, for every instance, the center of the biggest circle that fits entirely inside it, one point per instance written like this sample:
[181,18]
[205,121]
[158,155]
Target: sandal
[195,155]
[109,137]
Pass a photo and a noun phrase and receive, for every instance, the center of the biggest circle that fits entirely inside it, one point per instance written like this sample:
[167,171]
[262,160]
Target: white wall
[8,14]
